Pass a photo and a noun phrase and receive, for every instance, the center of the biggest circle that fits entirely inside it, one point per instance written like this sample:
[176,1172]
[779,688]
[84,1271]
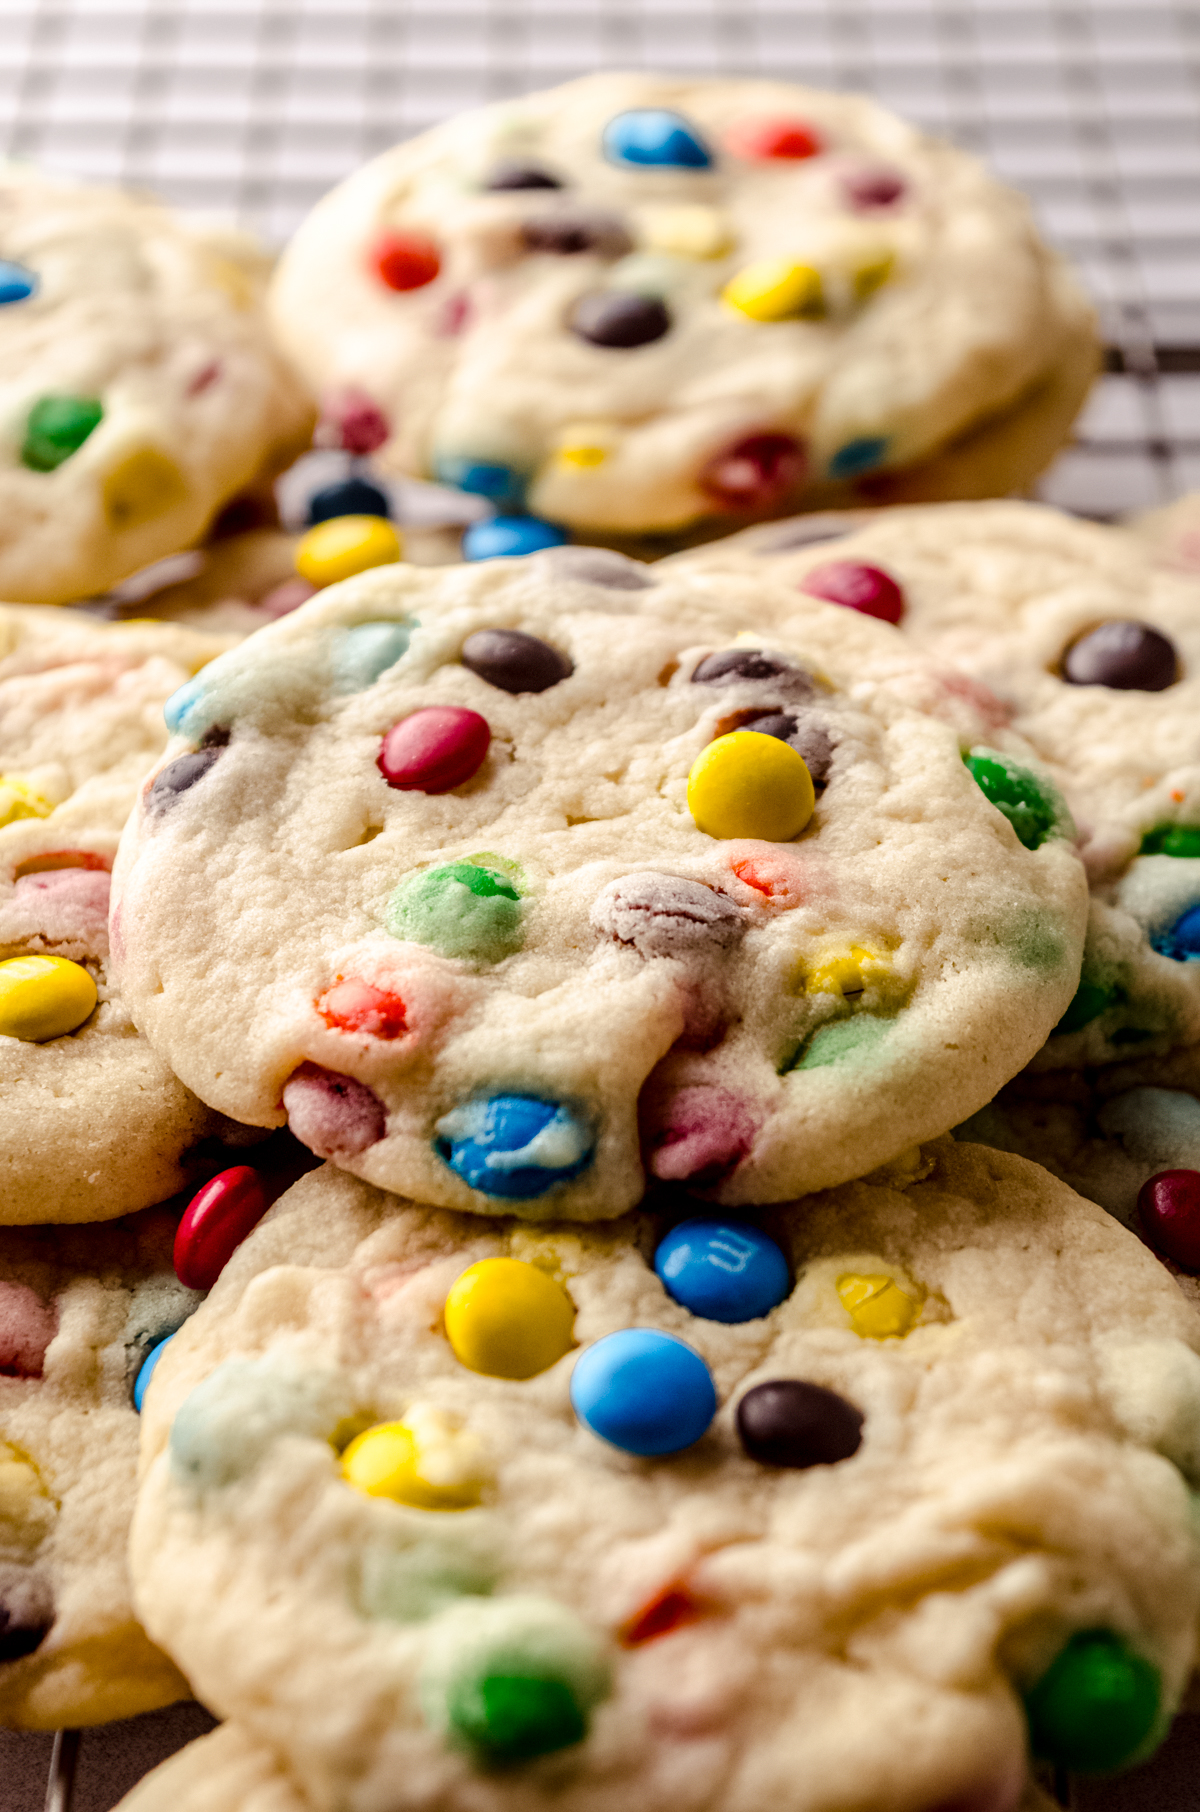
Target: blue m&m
[643,1391]
[510,537]
[500,484]
[722,1271]
[142,1382]
[16,283]
[1181,940]
[655,136]
[348,497]
[513,1146]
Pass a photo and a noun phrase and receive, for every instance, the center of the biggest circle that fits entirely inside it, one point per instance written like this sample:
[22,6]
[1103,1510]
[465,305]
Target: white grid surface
[251,109]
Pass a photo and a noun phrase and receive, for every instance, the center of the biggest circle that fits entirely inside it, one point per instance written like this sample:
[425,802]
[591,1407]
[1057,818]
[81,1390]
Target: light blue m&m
[500,484]
[16,283]
[181,702]
[655,136]
[142,1382]
[366,651]
[510,537]
[513,1146]
[643,1391]
[721,1271]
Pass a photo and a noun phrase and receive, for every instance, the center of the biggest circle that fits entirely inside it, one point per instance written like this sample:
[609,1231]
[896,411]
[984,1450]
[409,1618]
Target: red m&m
[358,1006]
[434,749]
[405,260]
[773,137]
[215,1222]
[864,588]
[1169,1210]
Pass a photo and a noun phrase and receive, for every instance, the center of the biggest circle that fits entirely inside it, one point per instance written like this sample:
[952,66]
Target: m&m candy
[1125,655]
[867,589]
[643,1391]
[789,1422]
[722,1271]
[344,545]
[348,497]
[215,1222]
[513,661]
[514,1146]
[1169,1210]
[776,289]
[878,1308]
[1095,1706]
[510,538]
[508,1319]
[43,997]
[434,749]
[655,136]
[386,1461]
[405,261]
[146,1371]
[749,785]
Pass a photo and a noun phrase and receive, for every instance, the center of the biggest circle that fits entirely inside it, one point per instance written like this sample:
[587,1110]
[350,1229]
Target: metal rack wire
[250,109]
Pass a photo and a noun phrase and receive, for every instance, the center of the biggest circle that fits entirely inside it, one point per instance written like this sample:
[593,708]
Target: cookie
[629,304]
[682,1510]
[1090,649]
[141,388]
[92,1122]
[80,1309]
[509,884]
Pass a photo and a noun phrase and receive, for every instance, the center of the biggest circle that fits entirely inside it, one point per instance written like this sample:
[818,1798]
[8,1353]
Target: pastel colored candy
[790,1422]
[43,997]
[353,1005]
[215,1222]
[657,137]
[510,538]
[1169,1209]
[755,472]
[508,1319]
[514,1147]
[722,1271]
[341,546]
[462,909]
[857,586]
[1128,656]
[333,1115]
[706,1130]
[1095,1705]
[643,1391]
[500,484]
[667,916]
[178,777]
[27,1326]
[514,661]
[366,651]
[434,749]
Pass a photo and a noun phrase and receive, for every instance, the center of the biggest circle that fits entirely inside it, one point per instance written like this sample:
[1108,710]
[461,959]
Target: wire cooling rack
[251,109]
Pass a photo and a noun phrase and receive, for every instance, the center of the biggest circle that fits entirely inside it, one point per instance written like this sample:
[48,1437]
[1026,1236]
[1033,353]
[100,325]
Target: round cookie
[507,884]
[139,387]
[685,1553]
[80,1308]
[92,1122]
[629,304]
[1090,649]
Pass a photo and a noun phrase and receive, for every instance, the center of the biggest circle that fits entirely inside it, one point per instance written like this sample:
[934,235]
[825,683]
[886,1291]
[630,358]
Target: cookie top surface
[633,302]
[80,1308]
[1091,647]
[92,1122]
[468,871]
[140,388]
[952,1432]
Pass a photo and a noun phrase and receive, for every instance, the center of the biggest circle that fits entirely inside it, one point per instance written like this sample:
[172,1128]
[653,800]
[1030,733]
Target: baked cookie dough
[630,303]
[1089,647]
[80,1308]
[508,884]
[692,1513]
[139,387]
[92,1123]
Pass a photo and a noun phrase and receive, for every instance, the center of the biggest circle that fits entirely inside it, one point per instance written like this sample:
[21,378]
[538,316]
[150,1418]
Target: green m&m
[1095,1706]
[461,909]
[508,1717]
[1027,802]
[56,428]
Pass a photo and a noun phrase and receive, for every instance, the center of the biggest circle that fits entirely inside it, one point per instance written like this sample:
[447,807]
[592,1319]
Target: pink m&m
[27,1326]
[756,472]
[1169,1210]
[864,588]
[215,1222]
[434,749]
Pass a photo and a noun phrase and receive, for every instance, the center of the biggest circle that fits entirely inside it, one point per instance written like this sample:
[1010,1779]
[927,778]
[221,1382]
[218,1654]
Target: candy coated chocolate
[858,587]
[643,1391]
[215,1222]
[434,749]
[729,665]
[756,472]
[615,317]
[405,260]
[513,175]
[27,1326]
[333,1115]
[348,497]
[177,777]
[1169,1210]
[789,1422]
[655,136]
[722,1271]
[1126,655]
[514,661]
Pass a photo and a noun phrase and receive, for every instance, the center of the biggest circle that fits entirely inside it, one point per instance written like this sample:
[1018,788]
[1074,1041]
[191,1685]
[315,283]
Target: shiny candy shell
[756,472]
[434,750]
[515,1147]
[405,261]
[654,136]
[1095,1706]
[510,538]
[643,1391]
[146,1372]
[1124,655]
[790,1422]
[344,545]
[775,289]
[43,997]
[878,1308]
[722,1271]
[385,1461]
[867,589]
[508,1319]
[1169,1210]
[215,1222]
[56,428]
[773,137]
[749,785]
[17,283]
[514,661]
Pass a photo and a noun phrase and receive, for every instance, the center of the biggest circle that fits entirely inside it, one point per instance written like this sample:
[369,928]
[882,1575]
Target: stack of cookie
[589,1370]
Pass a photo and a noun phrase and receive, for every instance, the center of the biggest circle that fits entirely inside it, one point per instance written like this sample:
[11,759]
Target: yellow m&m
[19,799]
[392,1460]
[878,1308]
[43,997]
[750,785]
[776,289]
[508,1319]
[344,545]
